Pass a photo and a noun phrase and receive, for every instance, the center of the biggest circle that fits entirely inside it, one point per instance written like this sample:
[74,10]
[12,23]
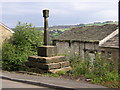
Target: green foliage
[57,74]
[100,70]
[56,34]
[24,43]
[61,73]
[78,66]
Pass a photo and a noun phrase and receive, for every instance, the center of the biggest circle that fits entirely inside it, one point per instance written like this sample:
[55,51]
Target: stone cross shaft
[46,33]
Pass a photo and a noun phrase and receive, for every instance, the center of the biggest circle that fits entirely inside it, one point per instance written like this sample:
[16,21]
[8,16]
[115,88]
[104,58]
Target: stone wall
[4,34]
[76,47]
[111,53]
[80,48]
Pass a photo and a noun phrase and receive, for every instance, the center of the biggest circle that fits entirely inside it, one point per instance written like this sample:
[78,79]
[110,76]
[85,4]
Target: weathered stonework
[47,61]
[76,48]
[39,59]
[48,64]
[5,33]
[47,51]
[61,69]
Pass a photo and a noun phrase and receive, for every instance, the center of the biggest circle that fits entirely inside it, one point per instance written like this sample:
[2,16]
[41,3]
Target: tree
[22,44]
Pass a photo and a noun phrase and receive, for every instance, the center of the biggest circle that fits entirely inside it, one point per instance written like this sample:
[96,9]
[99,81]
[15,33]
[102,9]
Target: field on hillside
[59,29]
[54,31]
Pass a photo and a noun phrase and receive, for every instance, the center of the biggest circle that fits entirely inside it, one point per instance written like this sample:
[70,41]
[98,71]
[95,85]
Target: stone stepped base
[47,61]
[37,70]
[49,66]
[40,59]
[61,69]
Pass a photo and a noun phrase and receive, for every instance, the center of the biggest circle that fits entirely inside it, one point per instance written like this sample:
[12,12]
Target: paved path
[49,81]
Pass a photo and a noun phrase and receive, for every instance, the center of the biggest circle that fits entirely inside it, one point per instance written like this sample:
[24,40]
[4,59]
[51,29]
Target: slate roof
[88,33]
[112,42]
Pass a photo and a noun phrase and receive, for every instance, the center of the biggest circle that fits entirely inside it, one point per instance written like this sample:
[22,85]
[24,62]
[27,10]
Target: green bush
[100,70]
[61,73]
[22,44]
[79,66]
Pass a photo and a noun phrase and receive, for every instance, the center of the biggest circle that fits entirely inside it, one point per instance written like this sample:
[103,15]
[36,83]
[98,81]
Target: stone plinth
[47,51]
[48,64]
[47,61]
[61,69]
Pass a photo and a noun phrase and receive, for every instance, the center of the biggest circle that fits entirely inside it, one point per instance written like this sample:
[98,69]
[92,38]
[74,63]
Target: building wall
[112,54]
[4,34]
[75,47]
[80,48]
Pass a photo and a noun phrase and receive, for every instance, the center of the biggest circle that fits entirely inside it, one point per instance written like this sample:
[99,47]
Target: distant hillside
[62,27]
[59,29]
[66,27]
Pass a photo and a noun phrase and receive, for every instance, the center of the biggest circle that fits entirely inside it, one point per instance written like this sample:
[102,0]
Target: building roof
[112,42]
[88,33]
[6,27]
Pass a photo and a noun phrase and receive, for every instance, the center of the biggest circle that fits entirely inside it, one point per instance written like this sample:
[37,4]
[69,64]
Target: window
[109,55]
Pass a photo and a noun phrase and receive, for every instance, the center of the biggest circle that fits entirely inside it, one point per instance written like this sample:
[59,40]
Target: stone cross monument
[46,33]
[47,59]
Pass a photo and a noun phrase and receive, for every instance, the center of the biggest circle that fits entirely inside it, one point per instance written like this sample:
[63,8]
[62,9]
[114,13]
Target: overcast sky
[62,12]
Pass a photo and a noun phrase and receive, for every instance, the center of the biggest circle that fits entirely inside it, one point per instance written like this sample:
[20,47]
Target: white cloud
[70,12]
[113,14]
[89,6]
[34,8]
[19,9]
[59,0]
[59,12]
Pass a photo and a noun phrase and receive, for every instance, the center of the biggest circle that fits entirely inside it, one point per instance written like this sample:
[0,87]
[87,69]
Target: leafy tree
[22,44]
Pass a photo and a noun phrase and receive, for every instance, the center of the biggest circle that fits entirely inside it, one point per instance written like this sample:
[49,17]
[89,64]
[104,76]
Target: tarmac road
[48,82]
[14,84]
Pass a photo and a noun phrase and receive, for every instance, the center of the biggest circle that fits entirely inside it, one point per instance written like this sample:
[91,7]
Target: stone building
[84,39]
[5,32]
[110,48]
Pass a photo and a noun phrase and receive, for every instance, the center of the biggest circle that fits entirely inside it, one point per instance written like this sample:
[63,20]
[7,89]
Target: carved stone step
[61,69]
[39,59]
[37,70]
[48,66]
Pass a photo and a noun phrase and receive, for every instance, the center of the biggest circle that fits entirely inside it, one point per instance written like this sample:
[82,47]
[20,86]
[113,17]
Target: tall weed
[99,70]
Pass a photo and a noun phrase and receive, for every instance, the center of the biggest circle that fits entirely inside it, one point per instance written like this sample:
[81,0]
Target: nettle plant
[22,44]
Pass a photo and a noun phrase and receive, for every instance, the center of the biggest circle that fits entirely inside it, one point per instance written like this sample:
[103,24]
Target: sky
[62,12]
